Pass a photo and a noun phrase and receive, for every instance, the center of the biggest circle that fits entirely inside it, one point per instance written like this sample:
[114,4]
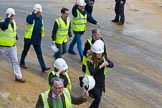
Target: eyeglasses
[58,88]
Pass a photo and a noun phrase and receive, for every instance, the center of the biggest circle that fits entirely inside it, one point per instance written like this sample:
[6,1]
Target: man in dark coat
[119,11]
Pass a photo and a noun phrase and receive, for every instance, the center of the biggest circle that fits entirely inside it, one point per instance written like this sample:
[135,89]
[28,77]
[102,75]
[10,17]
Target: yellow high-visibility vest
[66,94]
[8,36]
[29,30]
[62,32]
[84,62]
[69,87]
[79,22]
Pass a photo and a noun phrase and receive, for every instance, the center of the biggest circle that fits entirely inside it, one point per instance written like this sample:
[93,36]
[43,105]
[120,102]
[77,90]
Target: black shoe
[44,70]
[20,80]
[80,81]
[23,66]
[72,52]
[120,23]
[114,21]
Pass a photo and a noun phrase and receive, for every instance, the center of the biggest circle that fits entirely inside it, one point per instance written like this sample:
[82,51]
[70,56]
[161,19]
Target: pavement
[135,48]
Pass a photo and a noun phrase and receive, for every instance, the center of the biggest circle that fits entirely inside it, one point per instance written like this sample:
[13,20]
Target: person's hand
[36,11]
[104,64]
[85,94]
[53,42]
[98,25]
[121,2]
[61,71]
[69,38]
[9,15]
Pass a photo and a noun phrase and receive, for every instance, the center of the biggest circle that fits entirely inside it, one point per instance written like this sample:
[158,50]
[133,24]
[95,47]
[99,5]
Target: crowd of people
[95,62]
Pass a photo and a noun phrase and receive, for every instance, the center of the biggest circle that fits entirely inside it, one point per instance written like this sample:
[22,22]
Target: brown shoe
[23,66]
[46,69]
[20,80]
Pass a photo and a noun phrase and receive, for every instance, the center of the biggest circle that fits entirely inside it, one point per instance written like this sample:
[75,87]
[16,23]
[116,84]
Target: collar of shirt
[54,95]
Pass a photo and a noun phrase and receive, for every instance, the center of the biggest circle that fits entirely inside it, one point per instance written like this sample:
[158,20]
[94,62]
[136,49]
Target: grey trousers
[11,54]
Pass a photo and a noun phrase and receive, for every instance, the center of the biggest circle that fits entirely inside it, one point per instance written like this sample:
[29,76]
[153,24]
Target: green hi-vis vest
[79,22]
[66,94]
[62,32]
[29,30]
[84,62]
[69,87]
[8,36]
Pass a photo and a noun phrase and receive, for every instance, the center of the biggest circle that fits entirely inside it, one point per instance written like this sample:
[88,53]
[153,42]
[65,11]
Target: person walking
[96,66]
[34,32]
[60,70]
[8,39]
[119,11]
[80,18]
[58,96]
[96,35]
[61,32]
[89,6]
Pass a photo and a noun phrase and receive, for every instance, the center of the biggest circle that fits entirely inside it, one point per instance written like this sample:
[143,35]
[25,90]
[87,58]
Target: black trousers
[97,94]
[38,51]
[119,11]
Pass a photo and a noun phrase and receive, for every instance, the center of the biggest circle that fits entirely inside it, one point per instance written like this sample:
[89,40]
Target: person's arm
[83,68]
[86,48]
[78,100]
[110,63]
[74,10]
[30,18]
[4,25]
[54,31]
[90,18]
[39,103]
[69,31]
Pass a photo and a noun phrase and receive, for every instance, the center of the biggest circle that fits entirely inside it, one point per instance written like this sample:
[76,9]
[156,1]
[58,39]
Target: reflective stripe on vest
[62,32]
[29,30]
[8,36]
[66,94]
[79,22]
[69,87]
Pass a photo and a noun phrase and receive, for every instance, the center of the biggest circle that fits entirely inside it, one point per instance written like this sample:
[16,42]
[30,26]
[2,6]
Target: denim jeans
[62,50]
[77,39]
[38,51]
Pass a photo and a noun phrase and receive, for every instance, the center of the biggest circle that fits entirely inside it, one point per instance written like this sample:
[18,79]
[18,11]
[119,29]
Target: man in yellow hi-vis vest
[8,38]
[58,96]
[34,32]
[61,32]
[80,18]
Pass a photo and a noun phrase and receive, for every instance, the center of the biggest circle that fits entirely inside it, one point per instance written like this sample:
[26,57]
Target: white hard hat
[88,82]
[81,2]
[38,6]
[97,48]
[54,48]
[100,42]
[10,11]
[60,64]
